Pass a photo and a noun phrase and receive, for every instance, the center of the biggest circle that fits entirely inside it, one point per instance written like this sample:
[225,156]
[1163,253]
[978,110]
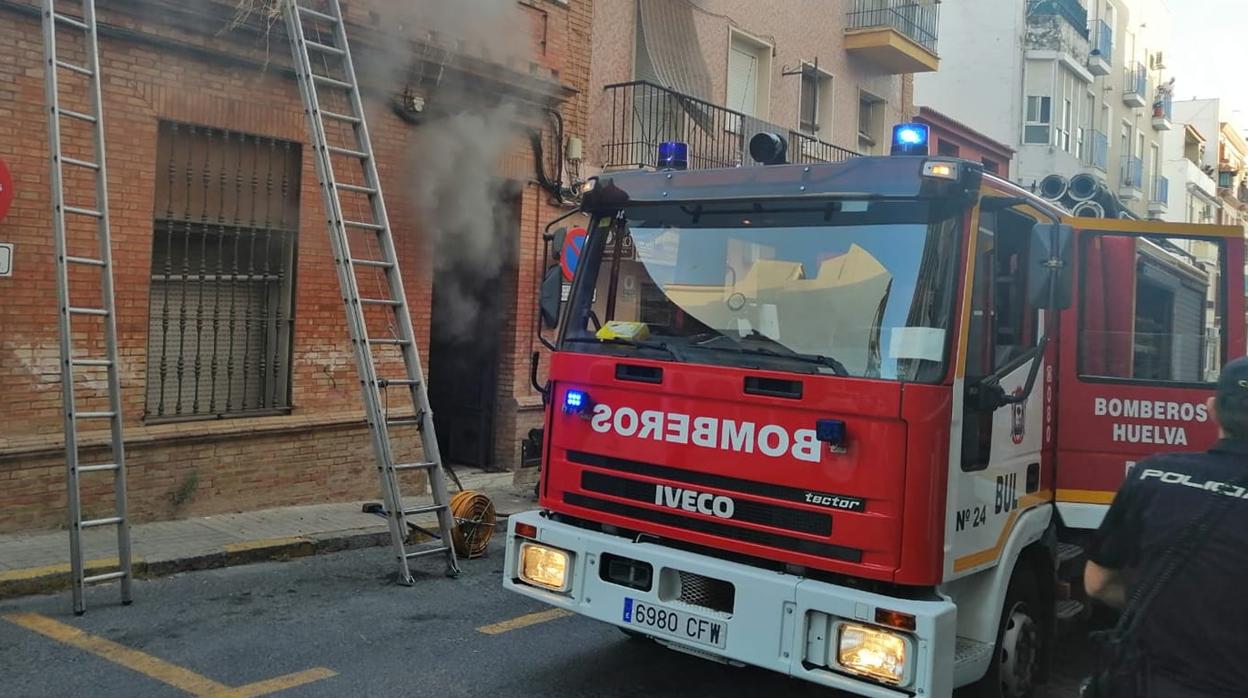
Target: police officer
[1193,636]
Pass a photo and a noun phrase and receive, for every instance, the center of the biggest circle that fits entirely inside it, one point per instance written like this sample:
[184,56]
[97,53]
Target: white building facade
[1076,86]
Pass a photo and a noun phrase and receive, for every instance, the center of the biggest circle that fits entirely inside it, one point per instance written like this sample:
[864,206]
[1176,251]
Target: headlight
[544,567]
[874,652]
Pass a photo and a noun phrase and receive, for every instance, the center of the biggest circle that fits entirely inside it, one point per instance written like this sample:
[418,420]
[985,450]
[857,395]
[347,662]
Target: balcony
[1072,11]
[1135,86]
[1101,55]
[1163,113]
[1159,200]
[1096,151]
[897,35]
[1130,186]
[644,114]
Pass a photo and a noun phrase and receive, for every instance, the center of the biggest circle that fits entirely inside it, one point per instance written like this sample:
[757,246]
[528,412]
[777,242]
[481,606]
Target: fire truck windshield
[861,288]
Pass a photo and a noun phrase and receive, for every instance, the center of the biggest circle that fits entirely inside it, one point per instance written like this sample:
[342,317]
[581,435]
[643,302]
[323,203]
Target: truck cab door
[1159,307]
[998,471]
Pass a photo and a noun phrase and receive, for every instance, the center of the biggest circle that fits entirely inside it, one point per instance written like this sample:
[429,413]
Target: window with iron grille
[222,284]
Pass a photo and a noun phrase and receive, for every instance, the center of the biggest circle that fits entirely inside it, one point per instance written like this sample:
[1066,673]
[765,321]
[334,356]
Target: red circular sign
[573,244]
[6,189]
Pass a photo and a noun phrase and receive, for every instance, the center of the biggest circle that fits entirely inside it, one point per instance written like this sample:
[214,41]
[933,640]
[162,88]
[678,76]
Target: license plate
[677,624]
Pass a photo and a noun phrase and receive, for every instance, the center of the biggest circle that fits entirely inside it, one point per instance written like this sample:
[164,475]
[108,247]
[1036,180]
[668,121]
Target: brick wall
[318,452]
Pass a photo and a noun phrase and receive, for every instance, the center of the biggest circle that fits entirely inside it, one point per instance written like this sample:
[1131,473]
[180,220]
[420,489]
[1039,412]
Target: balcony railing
[644,114]
[1096,152]
[1072,11]
[918,21]
[1101,36]
[1163,107]
[1161,191]
[1132,172]
[1135,85]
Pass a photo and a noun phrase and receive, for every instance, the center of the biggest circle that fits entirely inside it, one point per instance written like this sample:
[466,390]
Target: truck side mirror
[551,297]
[1051,281]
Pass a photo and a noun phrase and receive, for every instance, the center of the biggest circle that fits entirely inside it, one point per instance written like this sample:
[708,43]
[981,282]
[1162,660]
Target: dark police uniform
[1195,632]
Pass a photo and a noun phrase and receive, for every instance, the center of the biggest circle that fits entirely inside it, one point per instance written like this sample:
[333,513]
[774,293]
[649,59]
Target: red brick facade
[955,139]
[158,66]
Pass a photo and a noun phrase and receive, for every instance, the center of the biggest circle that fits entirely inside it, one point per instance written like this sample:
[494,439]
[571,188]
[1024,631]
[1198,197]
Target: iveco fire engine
[852,421]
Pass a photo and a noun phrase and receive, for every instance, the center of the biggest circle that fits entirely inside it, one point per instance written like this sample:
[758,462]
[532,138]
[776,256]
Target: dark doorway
[473,303]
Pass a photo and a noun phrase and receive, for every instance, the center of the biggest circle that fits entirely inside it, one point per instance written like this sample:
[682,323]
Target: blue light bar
[910,139]
[673,155]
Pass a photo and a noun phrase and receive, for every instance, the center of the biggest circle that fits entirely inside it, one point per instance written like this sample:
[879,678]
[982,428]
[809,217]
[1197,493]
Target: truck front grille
[697,590]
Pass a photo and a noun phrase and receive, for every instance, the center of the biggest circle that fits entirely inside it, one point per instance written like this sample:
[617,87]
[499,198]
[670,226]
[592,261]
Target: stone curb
[55,578]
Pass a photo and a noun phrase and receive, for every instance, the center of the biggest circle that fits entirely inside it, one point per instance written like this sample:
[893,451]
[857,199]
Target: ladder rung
[317,15]
[357,188]
[372,263]
[94,415]
[389,340]
[83,211]
[88,311]
[324,48]
[381,301]
[78,115]
[426,509]
[80,163]
[440,550]
[106,577]
[340,117]
[97,468]
[85,260]
[386,382]
[415,466]
[332,82]
[347,152]
[402,421]
[75,68]
[70,20]
[90,362]
[92,523]
[362,224]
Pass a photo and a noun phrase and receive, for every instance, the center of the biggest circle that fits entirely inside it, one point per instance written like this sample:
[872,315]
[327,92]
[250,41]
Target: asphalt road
[341,626]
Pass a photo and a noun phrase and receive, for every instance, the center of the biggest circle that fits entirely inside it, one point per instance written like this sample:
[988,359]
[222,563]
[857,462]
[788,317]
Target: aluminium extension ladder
[333,55]
[75,209]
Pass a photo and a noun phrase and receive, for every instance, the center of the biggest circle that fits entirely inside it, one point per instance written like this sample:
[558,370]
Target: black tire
[1018,658]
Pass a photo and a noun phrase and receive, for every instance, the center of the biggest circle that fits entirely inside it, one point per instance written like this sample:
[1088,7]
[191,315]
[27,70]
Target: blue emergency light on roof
[909,139]
[673,155]
[576,402]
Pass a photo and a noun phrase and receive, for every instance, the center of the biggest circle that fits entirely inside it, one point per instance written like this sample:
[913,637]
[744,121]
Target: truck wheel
[1016,662]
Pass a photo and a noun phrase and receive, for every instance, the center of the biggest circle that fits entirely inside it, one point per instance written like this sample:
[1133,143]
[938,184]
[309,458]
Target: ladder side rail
[346,278]
[53,106]
[117,435]
[411,358]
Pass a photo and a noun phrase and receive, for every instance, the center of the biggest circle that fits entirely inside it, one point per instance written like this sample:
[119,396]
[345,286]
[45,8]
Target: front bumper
[778,621]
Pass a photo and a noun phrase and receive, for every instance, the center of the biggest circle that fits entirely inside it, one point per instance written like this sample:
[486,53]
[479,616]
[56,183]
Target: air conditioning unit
[1157,61]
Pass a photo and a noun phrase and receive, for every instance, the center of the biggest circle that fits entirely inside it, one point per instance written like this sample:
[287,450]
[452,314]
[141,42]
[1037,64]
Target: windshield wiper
[837,367]
[618,341]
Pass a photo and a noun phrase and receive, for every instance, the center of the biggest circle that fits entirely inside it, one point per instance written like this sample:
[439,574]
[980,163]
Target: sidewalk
[33,563]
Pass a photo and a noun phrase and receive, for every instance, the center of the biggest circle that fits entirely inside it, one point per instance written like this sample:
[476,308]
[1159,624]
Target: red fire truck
[852,422]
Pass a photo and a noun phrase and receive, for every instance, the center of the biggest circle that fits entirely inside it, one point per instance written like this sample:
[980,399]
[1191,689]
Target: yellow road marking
[281,683]
[264,543]
[62,568]
[158,669]
[524,621]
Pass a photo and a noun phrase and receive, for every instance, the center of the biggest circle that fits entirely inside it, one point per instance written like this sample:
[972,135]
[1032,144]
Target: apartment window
[815,116]
[222,282]
[991,166]
[947,149]
[749,75]
[870,121]
[1038,121]
[1063,131]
